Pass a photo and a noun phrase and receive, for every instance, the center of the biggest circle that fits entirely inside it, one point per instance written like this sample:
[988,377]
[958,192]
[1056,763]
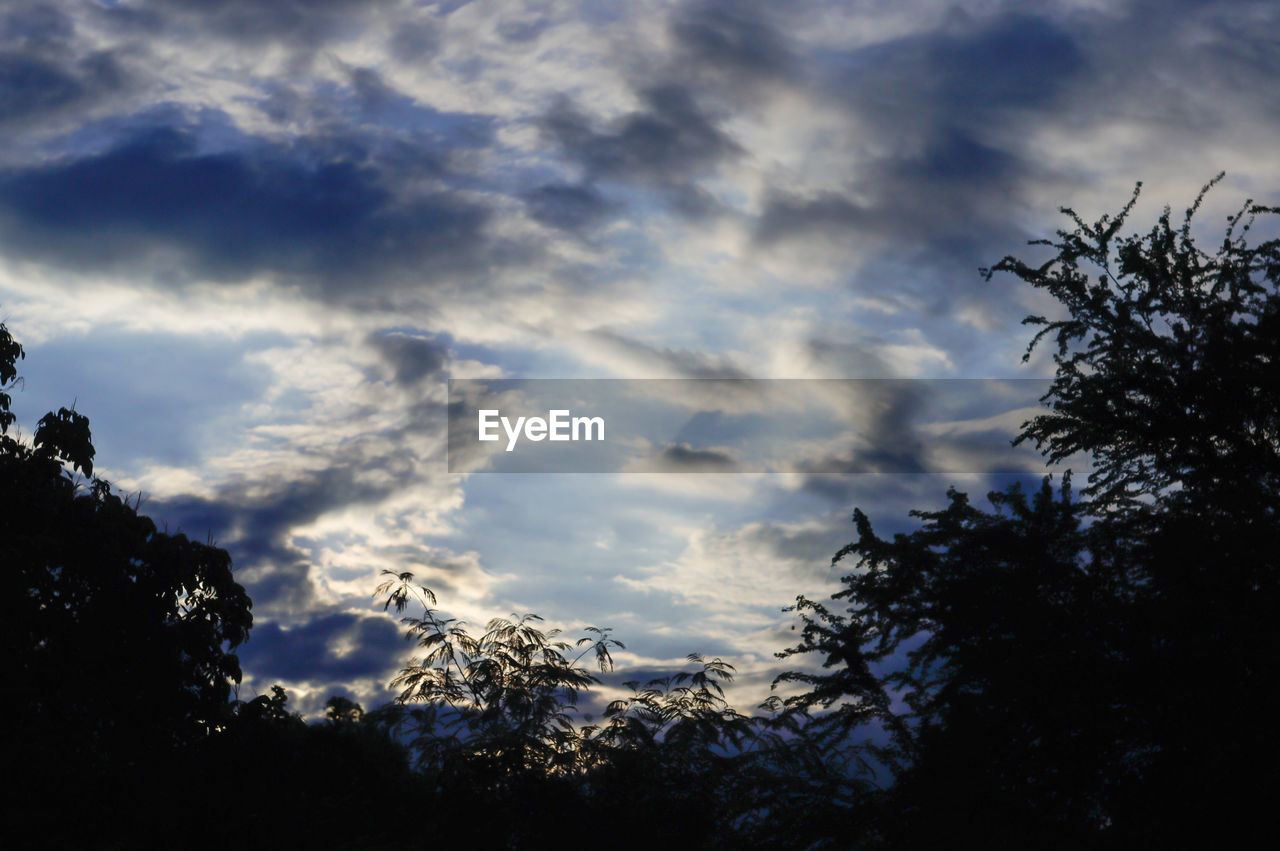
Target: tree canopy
[1093,670]
[493,721]
[1167,359]
[121,635]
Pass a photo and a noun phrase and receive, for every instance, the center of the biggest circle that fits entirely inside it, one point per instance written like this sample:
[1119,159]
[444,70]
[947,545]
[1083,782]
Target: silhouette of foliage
[989,646]
[1167,359]
[298,784]
[121,635]
[510,692]
[1092,672]
[1168,379]
[492,721]
[342,710]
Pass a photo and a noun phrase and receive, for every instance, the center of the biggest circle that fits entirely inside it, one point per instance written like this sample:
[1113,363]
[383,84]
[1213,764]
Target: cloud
[44,73]
[332,223]
[300,23]
[570,207]
[35,24]
[884,438]
[411,357]
[650,361]
[935,126]
[683,458]
[732,42]
[416,41]
[330,647]
[256,520]
[746,573]
[666,145]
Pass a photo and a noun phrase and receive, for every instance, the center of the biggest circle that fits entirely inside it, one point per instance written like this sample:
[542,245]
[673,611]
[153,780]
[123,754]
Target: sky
[252,241]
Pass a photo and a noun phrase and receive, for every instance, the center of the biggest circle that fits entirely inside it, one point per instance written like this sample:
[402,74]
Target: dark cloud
[965,74]
[1013,61]
[35,24]
[254,521]
[304,24]
[30,85]
[683,458]
[283,589]
[941,211]
[852,359]
[416,41]
[254,530]
[411,357]
[888,440]
[809,545]
[569,207]
[863,461]
[943,107]
[732,42]
[785,216]
[712,426]
[333,647]
[44,73]
[517,32]
[667,145]
[372,100]
[956,156]
[373,93]
[331,220]
[465,453]
[893,438]
[953,187]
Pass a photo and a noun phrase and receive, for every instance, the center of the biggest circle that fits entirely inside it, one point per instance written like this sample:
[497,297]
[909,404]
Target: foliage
[1099,671]
[509,692]
[494,726]
[342,710]
[1167,359]
[1166,375]
[121,635]
[988,645]
[287,783]
[686,710]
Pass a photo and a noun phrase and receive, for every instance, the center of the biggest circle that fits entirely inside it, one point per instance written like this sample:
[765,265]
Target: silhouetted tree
[493,724]
[1167,368]
[342,710]
[1095,672]
[990,647]
[295,784]
[119,635]
[507,695]
[1167,359]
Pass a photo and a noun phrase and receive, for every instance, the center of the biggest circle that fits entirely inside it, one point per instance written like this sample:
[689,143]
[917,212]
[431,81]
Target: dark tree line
[1063,669]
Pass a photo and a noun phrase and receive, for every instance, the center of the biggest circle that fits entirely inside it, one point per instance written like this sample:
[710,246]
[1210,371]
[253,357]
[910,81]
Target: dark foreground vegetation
[1092,669]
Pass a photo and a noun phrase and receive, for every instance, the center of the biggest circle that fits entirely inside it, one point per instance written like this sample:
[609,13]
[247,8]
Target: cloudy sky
[252,240]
